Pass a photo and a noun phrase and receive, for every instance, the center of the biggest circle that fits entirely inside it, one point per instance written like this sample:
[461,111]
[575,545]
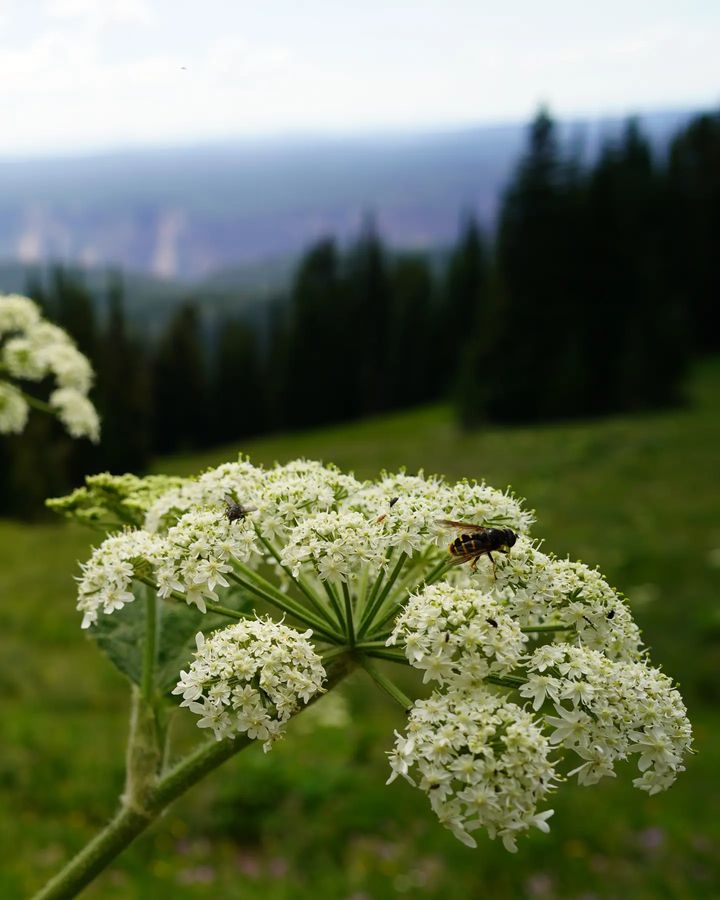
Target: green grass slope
[639,496]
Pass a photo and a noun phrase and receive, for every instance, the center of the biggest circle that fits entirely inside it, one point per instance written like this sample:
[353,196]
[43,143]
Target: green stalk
[150,650]
[301,585]
[284,603]
[334,602]
[35,402]
[375,588]
[547,628]
[511,681]
[389,655]
[377,603]
[348,614]
[382,681]
[130,821]
[226,611]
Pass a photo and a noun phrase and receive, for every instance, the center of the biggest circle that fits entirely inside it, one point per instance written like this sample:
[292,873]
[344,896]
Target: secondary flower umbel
[32,349]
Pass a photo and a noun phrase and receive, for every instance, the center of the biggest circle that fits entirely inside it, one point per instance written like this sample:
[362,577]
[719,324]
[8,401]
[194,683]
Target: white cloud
[102,13]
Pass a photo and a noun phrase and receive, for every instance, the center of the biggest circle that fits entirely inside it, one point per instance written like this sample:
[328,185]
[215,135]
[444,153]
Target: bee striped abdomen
[469,545]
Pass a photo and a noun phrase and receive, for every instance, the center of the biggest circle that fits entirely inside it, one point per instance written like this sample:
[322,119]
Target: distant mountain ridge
[189,212]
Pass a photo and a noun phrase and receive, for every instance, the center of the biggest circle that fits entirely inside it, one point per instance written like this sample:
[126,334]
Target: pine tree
[694,197]
[464,300]
[180,391]
[320,342]
[366,329]
[536,365]
[237,385]
[412,362]
[122,390]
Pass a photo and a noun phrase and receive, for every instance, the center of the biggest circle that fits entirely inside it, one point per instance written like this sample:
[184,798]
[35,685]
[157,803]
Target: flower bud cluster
[483,762]
[34,349]
[458,637]
[250,678]
[608,710]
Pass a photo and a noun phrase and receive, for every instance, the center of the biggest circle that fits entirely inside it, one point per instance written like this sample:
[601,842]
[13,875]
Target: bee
[478,540]
[235,510]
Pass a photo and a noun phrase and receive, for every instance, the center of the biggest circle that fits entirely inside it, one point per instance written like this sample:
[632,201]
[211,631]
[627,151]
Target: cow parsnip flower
[483,762]
[458,636]
[14,410]
[32,349]
[107,577]
[535,587]
[608,710]
[250,678]
[537,662]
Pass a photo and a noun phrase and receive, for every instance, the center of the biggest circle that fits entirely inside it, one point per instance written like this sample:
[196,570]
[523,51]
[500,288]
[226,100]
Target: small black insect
[390,506]
[492,622]
[611,614]
[235,510]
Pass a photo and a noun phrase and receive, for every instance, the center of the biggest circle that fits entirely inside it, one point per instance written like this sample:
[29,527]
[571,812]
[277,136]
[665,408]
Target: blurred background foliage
[594,294]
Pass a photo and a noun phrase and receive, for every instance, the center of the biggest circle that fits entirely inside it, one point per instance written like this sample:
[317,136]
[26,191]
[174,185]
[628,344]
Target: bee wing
[461,526]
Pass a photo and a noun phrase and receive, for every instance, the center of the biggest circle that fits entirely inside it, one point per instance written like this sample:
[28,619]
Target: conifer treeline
[601,284]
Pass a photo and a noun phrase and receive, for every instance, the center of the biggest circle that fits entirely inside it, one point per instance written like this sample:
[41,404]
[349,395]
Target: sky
[82,75]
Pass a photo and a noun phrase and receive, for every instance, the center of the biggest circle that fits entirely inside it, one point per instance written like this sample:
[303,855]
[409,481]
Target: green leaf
[121,636]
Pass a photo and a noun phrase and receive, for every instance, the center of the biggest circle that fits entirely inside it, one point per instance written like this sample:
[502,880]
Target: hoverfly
[235,510]
[478,540]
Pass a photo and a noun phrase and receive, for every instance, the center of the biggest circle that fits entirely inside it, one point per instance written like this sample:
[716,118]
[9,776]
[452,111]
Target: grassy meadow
[640,496]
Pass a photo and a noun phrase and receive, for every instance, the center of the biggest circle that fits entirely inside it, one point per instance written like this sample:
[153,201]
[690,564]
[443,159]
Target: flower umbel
[32,349]
[482,761]
[250,678]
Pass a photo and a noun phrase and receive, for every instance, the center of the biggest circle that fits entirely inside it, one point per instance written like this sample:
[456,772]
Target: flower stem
[334,602]
[226,611]
[129,822]
[385,683]
[301,585]
[547,628]
[378,601]
[348,614]
[269,593]
[150,649]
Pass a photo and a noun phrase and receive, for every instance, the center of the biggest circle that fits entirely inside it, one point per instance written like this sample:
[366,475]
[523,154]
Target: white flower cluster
[293,491]
[250,678]
[106,582]
[14,410]
[457,636]
[239,481]
[483,762]
[197,555]
[537,588]
[338,544]
[32,350]
[608,710]
[192,559]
